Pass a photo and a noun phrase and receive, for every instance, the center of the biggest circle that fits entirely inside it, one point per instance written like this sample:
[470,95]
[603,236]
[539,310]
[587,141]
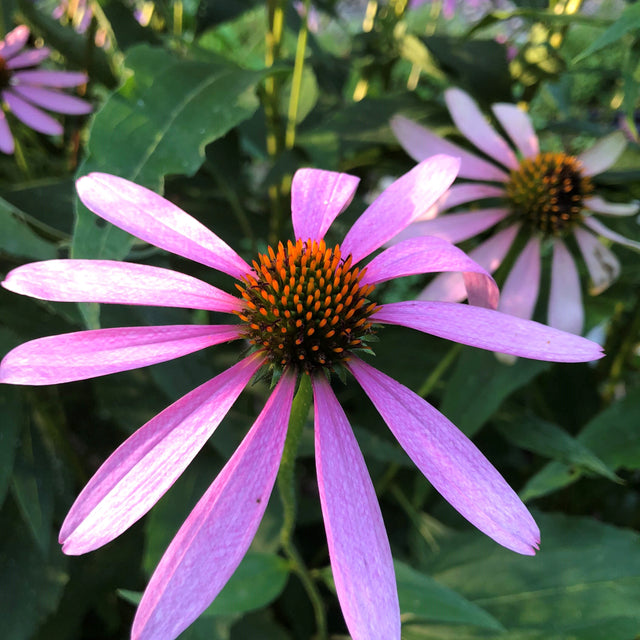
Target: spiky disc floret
[548,191]
[305,306]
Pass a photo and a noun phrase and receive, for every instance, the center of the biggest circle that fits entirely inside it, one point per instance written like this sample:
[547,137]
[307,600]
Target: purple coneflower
[25,89]
[306,309]
[548,196]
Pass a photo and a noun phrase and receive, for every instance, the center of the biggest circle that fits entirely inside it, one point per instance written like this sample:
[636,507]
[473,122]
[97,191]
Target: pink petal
[6,139]
[13,42]
[451,462]
[53,100]
[488,329]
[450,287]
[32,116]
[28,58]
[359,550]
[520,290]
[603,154]
[518,125]
[399,205]
[153,219]
[605,232]
[108,281]
[468,192]
[565,299]
[89,354]
[317,197]
[57,79]
[602,264]
[421,143]
[601,206]
[472,124]
[455,227]
[141,470]
[427,254]
[216,535]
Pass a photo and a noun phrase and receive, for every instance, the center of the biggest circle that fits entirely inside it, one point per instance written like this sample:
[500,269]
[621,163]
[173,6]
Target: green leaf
[17,238]
[629,20]
[480,383]
[423,597]
[159,123]
[11,417]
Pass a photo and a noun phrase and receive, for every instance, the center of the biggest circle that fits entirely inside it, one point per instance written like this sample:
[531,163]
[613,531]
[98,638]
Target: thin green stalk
[286,487]
[436,374]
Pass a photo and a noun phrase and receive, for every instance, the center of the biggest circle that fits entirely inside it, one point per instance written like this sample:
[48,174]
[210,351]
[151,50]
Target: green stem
[286,487]
[436,374]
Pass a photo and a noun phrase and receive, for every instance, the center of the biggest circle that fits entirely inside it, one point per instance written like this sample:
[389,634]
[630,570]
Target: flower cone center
[548,192]
[305,306]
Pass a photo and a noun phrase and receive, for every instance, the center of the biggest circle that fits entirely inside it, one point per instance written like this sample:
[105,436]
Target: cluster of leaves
[186,106]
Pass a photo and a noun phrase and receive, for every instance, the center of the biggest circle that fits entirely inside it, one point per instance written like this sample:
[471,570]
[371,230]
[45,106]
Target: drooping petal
[488,329]
[153,219]
[6,139]
[14,41]
[359,550]
[472,124]
[89,354]
[520,290]
[565,298]
[53,100]
[454,227]
[420,144]
[603,154]
[518,126]
[317,198]
[28,58]
[46,78]
[600,205]
[599,228]
[142,469]
[211,543]
[450,287]
[602,264]
[399,205]
[451,462]
[109,281]
[467,192]
[32,116]
[427,254]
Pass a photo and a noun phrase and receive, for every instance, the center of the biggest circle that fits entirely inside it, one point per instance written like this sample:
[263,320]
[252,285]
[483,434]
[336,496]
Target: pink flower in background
[25,89]
[548,196]
[79,12]
[305,309]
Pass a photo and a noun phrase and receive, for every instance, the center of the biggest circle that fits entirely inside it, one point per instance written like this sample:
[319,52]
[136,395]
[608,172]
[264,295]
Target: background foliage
[187,105]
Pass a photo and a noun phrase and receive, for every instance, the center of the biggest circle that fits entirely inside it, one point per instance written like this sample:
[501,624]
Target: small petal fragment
[399,205]
[153,219]
[451,462]
[605,232]
[520,291]
[600,205]
[28,58]
[603,154]
[488,329]
[57,79]
[358,546]
[32,116]
[317,198]
[214,538]
[468,192]
[565,299]
[109,281]
[602,263]
[142,469]
[6,139]
[518,125]
[14,41]
[89,354]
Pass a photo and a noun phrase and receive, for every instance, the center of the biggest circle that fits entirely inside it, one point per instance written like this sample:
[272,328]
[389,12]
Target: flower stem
[286,486]
[436,374]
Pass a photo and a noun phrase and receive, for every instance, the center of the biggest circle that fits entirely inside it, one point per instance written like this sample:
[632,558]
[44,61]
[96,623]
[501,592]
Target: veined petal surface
[89,354]
[154,219]
[451,462]
[566,311]
[518,126]
[399,205]
[109,281]
[317,198]
[142,469]
[468,192]
[359,550]
[214,538]
[520,290]
[488,329]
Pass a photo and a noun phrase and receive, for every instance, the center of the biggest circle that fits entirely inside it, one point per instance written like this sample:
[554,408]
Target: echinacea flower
[547,196]
[306,309]
[27,90]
